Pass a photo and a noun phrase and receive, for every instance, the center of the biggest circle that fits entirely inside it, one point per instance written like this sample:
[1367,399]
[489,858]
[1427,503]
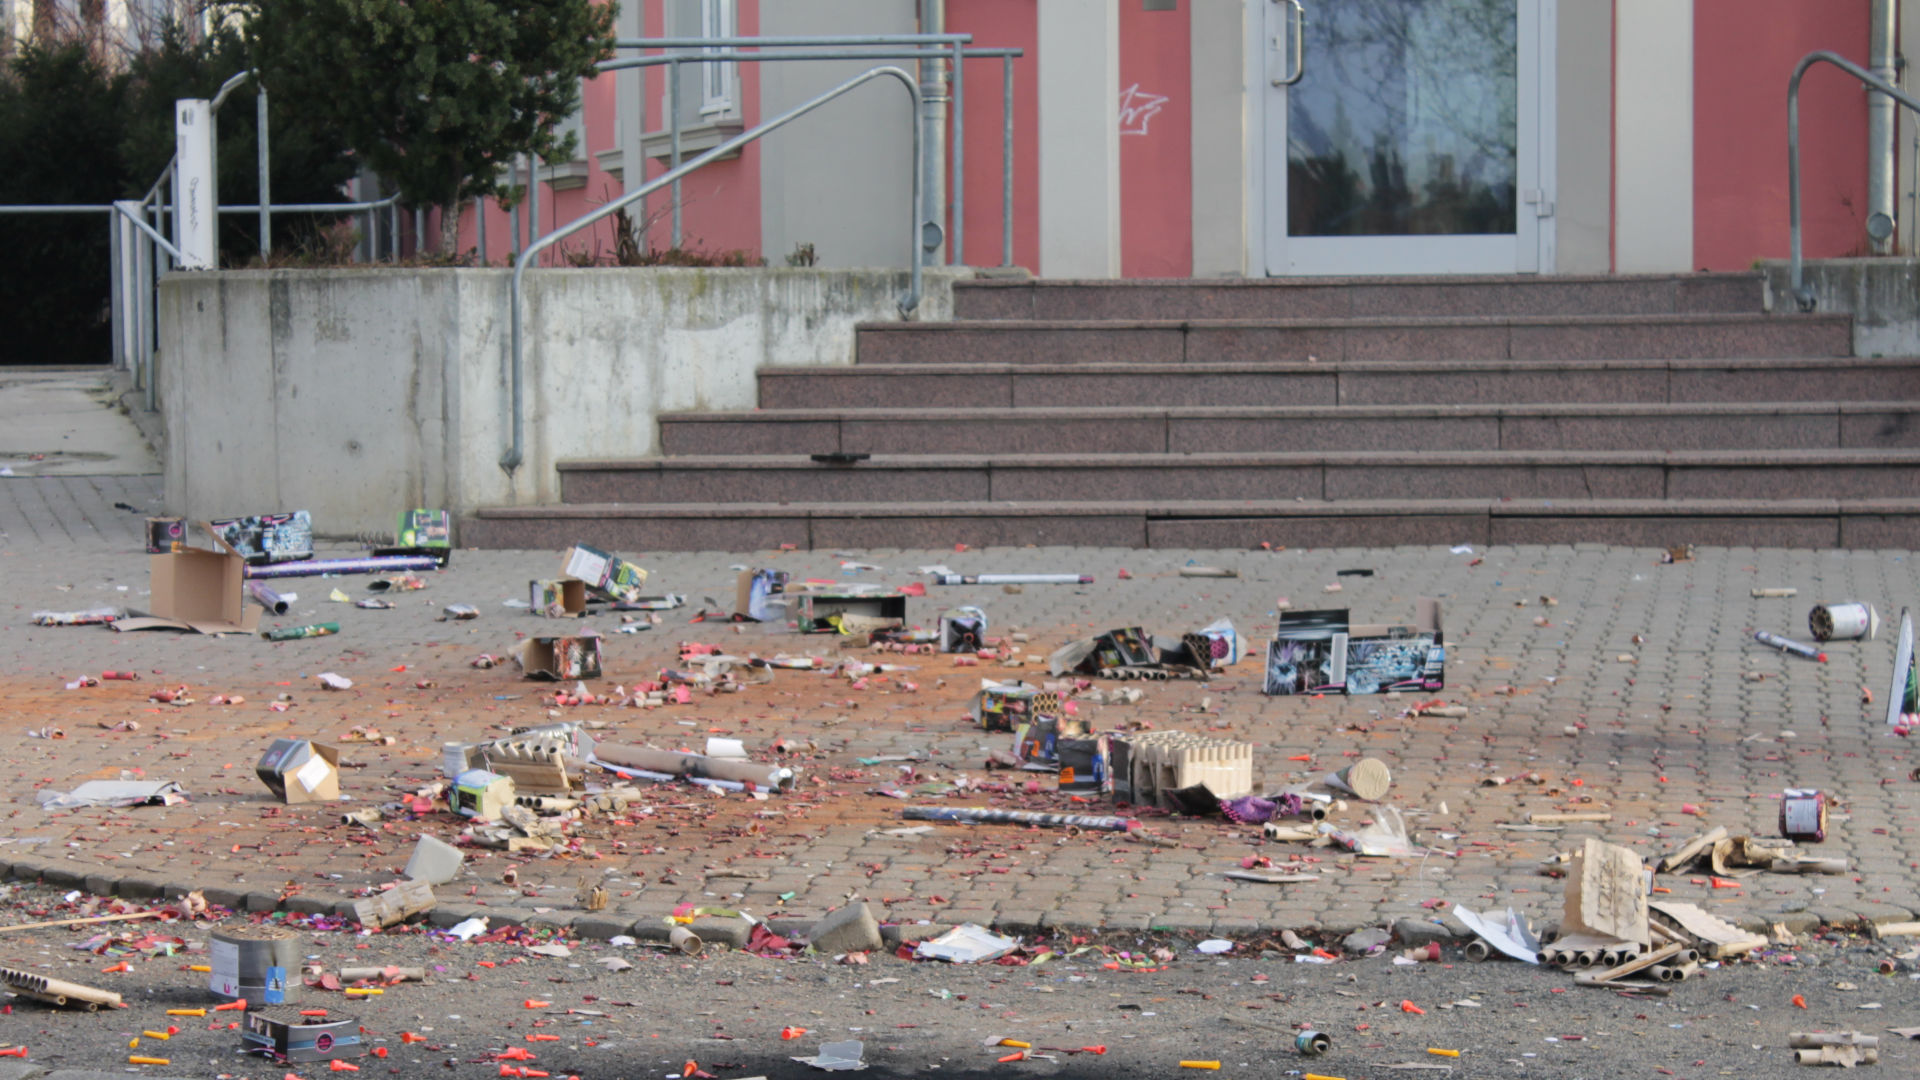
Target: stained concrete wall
[1882,295]
[358,393]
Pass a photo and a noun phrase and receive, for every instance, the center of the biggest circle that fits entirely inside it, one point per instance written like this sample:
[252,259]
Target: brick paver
[1685,723]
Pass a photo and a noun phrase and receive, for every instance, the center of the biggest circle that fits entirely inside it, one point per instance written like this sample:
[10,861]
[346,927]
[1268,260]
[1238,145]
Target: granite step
[1272,429]
[1436,382]
[1284,298]
[1632,474]
[1502,337]
[747,527]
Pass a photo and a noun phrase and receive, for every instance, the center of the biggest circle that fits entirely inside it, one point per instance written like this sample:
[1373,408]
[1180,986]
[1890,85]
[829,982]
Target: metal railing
[516,452]
[922,47]
[1803,296]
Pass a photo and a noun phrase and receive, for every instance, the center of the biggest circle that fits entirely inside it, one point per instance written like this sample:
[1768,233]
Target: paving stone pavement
[1701,716]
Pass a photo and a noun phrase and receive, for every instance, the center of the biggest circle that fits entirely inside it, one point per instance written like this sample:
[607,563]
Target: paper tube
[1368,778]
[314,567]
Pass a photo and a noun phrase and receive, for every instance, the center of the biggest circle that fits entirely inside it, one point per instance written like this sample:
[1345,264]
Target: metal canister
[1803,815]
[1311,1043]
[1848,621]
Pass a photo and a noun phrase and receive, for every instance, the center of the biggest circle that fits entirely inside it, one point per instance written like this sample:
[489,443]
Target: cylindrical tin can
[1803,815]
[259,963]
[1312,1043]
[1847,621]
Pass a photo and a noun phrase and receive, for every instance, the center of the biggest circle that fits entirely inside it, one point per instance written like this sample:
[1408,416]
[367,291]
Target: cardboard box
[604,572]
[963,630]
[559,599]
[301,771]
[269,538]
[478,793]
[815,608]
[1008,706]
[197,589]
[422,532]
[1149,766]
[165,534]
[1317,652]
[751,590]
[556,658]
[1127,647]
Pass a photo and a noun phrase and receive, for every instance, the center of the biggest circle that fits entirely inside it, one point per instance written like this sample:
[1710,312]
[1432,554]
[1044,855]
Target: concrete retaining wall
[357,393]
[1882,295]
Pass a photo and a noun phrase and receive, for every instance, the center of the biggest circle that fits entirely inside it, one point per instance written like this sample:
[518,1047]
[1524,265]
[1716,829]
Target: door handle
[1295,34]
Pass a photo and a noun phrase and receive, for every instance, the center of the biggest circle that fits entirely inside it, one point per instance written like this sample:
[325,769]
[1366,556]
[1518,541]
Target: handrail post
[1006,162]
[516,451]
[673,145]
[260,149]
[1802,295]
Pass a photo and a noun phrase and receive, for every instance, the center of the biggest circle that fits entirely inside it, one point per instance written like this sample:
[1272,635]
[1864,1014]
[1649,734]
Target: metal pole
[116,295]
[933,125]
[1881,123]
[1006,162]
[393,232]
[957,248]
[513,212]
[419,230]
[266,197]
[480,226]
[516,451]
[533,197]
[673,145]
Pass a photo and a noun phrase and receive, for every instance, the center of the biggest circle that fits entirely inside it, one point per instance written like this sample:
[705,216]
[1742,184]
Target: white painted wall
[1653,136]
[840,178]
[1079,82]
[1218,83]
[357,393]
[1584,118]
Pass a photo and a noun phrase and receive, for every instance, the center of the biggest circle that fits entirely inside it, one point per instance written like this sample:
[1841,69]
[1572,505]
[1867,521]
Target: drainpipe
[933,136]
[1880,128]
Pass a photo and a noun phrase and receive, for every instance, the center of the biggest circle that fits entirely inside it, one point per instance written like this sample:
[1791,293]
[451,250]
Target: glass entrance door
[1411,143]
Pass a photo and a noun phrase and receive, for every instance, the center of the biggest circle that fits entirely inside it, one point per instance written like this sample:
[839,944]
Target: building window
[717,76]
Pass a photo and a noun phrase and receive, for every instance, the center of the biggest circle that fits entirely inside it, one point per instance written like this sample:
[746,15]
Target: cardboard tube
[266,597]
[686,941]
[1804,1040]
[316,567]
[1368,778]
[674,763]
[1868,1056]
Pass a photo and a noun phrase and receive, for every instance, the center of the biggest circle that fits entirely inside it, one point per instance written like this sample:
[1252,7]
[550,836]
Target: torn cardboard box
[753,590]
[301,770]
[604,572]
[1317,652]
[572,657]
[197,589]
[558,599]
[829,613]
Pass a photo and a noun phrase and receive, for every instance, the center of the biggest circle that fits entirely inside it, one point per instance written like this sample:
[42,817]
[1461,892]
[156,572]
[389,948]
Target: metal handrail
[516,453]
[789,42]
[1803,296]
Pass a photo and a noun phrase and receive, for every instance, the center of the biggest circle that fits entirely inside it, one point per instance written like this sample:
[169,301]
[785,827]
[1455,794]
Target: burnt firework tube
[264,595]
[379,564]
[976,815]
[290,633]
[1789,645]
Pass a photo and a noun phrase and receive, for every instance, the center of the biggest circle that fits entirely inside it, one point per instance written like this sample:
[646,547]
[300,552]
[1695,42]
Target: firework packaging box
[269,538]
[198,589]
[301,771]
[559,599]
[575,656]
[1009,706]
[868,611]
[1319,652]
[752,590]
[165,534]
[422,532]
[604,572]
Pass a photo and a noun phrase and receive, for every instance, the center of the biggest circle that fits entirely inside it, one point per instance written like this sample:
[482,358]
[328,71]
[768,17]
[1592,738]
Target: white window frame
[717,77]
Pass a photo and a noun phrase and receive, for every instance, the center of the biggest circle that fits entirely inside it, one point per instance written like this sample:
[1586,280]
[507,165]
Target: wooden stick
[1575,816]
[79,922]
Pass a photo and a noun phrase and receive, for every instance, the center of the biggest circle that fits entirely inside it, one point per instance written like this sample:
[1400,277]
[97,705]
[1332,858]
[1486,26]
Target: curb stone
[648,927]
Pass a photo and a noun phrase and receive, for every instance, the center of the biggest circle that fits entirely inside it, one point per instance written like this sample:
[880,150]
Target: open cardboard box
[301,770]
[1315,652]
[197,589]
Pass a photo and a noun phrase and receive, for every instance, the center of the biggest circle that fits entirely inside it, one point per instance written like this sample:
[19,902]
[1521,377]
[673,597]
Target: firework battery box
[165,534]
[301,770]
[817,609]
[422,532]
[604,572]
[269,538]
[1317,652]
[285,1035]
[561,598]
[558,658]
[1009,706]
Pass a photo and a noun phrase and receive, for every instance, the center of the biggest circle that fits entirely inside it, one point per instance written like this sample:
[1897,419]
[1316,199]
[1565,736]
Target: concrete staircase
[1634,410]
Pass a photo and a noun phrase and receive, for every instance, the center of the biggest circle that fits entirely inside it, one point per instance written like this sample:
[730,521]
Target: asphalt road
[726,1012]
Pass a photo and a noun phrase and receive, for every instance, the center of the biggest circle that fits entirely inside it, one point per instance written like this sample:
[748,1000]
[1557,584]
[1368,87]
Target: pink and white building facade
[1164,138]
